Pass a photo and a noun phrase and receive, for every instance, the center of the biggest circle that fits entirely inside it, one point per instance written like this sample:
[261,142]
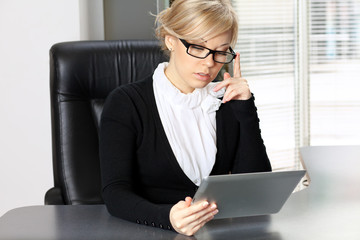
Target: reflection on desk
[328,209]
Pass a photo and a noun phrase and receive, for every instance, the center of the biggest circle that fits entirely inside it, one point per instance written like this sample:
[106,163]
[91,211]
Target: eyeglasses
[202,52]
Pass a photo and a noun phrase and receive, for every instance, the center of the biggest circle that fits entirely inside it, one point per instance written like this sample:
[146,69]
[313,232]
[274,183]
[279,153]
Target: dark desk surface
[328,209]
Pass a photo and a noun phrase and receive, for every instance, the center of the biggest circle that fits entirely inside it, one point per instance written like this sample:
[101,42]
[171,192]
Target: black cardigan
[141,177]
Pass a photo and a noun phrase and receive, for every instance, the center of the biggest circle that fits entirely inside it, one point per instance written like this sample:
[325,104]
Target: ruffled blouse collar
[204,97]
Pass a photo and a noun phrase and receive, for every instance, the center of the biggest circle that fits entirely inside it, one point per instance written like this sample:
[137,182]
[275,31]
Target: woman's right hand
[187,218]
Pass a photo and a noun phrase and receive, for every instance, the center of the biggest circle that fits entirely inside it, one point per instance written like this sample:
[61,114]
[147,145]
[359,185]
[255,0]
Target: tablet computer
[248,194]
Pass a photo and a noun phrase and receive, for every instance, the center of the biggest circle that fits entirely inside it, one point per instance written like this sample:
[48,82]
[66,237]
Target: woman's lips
[202,76]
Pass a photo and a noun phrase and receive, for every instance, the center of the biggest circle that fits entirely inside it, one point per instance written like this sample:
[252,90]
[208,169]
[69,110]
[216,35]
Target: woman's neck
[176,81]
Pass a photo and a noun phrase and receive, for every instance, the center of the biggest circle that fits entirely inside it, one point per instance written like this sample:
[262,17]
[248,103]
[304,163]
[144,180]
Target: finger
[223,83]
[188,201]
[227,75]
[198,217]
[184,224]
[187,224]
[239,93]
[237,67]
[231,94]
[203,219]
[193,230]
[219,86]
[206,218]
[232,91]
[195,208]
[229,89]
[226,97]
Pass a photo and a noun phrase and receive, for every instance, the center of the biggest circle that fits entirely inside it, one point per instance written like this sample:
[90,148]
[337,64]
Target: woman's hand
[187,218]
[237,88]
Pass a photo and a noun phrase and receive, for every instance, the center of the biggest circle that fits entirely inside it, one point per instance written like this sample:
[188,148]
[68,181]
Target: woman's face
[186,72]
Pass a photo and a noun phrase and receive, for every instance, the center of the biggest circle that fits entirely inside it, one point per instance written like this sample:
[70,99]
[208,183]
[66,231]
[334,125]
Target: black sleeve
[251,153]
[119,137]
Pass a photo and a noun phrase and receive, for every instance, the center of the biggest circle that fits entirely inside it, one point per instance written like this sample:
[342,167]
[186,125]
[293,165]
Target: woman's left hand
[237,88]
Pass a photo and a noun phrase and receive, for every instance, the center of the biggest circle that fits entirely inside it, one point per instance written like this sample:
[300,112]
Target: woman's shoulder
[134,89]
[130,97]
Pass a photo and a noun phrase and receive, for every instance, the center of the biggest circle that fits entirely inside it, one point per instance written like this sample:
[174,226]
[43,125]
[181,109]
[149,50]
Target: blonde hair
[197,19]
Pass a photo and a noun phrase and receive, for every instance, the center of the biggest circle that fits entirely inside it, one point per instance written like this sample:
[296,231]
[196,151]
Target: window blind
[334,71]
[266,42]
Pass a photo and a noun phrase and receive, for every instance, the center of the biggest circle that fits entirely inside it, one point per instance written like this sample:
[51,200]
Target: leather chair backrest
[82,74]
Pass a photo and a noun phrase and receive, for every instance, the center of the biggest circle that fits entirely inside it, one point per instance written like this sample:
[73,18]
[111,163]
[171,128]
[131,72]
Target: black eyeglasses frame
[213,52]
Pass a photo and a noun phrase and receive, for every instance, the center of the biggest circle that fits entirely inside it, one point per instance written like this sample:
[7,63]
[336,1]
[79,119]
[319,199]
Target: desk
[328,209]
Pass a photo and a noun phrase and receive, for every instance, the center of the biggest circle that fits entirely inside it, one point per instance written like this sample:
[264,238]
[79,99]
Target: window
[302,61]
[334,72]
[266,42]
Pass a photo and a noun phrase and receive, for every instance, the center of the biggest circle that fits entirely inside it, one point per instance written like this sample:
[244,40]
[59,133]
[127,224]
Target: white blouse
[189,121]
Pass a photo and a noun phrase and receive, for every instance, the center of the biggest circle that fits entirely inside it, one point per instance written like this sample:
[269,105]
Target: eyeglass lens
[200,52]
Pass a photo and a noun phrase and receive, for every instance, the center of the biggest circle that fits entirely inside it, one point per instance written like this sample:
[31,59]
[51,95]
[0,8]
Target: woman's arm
[119,137]
[251,153]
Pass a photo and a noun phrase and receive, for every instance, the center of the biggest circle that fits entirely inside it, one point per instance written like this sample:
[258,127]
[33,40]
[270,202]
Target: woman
[160,136]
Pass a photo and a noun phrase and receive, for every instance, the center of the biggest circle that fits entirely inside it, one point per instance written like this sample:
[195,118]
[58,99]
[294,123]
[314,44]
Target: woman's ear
[170,42]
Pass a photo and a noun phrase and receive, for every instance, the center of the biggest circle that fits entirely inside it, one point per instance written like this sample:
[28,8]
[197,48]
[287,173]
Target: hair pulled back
[197,20]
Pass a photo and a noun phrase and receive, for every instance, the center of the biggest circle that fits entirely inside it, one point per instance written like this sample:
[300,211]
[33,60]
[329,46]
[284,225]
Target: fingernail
[205,204]
[215,212]
[213,206]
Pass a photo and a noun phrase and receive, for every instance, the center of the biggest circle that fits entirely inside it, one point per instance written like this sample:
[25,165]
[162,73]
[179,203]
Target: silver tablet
[250,194]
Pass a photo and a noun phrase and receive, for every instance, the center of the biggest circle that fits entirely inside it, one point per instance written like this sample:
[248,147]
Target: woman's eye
[222,53]
[198,48]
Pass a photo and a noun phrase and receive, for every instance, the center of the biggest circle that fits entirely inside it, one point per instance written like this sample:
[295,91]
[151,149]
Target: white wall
[27,31]
[91,19]
[28,28]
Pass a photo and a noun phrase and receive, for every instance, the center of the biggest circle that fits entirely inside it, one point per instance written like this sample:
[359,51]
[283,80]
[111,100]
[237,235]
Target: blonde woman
[162,135]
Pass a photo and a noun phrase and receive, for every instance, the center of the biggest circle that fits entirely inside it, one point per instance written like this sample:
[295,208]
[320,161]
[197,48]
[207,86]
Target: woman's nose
[209,61]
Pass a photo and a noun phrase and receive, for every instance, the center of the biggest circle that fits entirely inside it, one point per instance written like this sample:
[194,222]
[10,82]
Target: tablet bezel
[248,194]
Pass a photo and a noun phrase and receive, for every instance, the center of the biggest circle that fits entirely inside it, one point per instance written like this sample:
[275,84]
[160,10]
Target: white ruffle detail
[212,103]
[206,97]
[189,121]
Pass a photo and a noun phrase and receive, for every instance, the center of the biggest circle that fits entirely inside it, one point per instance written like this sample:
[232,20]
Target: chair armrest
[54,197]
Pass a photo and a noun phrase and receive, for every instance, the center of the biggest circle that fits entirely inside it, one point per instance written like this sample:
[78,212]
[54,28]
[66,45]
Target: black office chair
[82,74]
